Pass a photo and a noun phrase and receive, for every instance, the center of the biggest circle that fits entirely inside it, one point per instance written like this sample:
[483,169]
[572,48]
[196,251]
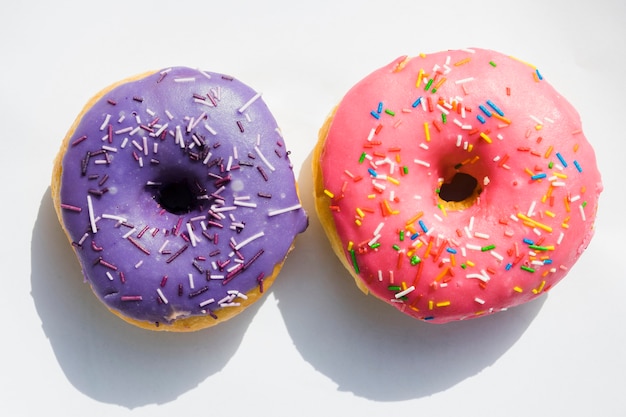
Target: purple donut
[178,196]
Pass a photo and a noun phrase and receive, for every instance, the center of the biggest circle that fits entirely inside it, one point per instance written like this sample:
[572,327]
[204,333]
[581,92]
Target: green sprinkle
[488,247]
[535,247]
[405,169]
[390,112]
[430,82]
[354,264]
[434,90]
[396,247]
[415,260]
[444,119]
[362,158]
[528,269]
[550,164]
[584,204]
[401,235]
[463,266]
[394,288]
[493,64]
[375,245]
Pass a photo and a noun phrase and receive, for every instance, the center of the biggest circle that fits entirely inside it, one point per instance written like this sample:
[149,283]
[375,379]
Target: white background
[315,345]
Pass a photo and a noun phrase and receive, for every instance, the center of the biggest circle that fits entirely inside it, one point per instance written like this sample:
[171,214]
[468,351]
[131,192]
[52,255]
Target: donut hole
[460,193]
[177,197]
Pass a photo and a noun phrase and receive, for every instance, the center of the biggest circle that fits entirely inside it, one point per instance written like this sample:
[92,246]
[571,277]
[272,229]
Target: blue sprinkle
[539,176]
[372,172]
[480,118]
[451,250]
[380,107]
[429,318]
[539,75]
[415,236]
[528,241]
[376,115]
[417,102]
[558,155]
[547,261]
[423,226]
[485,110]
[495,108]
[508,266]
[577,165]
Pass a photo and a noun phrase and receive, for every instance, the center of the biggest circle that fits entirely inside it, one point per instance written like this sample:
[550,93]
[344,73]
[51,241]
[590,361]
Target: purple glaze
[232,174]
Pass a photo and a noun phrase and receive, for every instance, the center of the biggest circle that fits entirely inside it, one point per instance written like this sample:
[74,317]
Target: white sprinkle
[145,146]
[161,130]
[481,235]
[204,73]
[244,204]
[374,240]
[138,264]
[560,239]
[169,115]
[478,276]
[284,210]
[558,184]
[106,122]
[162,248]
[459,140]
[162,296]
[249,102]
[479,300]
[472,246]
[270,166]
[496,255]
[531,209]
[191,283]
[536,119]
[124,143]
[471,223]
[207,302]
[92,219]
[185,79]
[194,239]
[238,294]
[109,148]
[582,212]
[379,228]
[114,217]
[208,157]
[179,137]
[122,131]
[129,233]
[405,292]
[423,163]
[109,276]
[464,80]
[248,240]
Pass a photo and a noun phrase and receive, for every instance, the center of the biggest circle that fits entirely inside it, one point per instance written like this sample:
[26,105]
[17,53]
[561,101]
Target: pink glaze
[407,128]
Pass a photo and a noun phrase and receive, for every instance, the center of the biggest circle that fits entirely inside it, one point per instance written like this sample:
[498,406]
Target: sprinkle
[161,296]
[495,108]
[427,131]
[354,263]
[416,102]
[248,240]
[485,137]
[405,292]
[92,220]
[558,155]
[577,165]
[539,176]
[284,210]
[527,268]
[249,102]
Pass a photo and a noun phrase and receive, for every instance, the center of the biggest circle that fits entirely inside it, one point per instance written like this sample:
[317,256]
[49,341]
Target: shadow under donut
[367,347]
[101,355]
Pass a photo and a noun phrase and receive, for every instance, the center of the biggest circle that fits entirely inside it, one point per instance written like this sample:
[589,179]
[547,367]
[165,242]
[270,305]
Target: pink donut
[456,184]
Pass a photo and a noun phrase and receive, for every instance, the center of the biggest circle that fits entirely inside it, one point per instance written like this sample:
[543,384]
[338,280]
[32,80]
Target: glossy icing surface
[178,194]
[399,137]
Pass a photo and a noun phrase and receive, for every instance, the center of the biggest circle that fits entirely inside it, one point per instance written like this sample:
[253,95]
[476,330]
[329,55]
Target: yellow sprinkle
[427,131]
[502,118]
[470,263]
[420,76]
[517,289]
[360,212]
[371,196]
[443,210]
[485,137]
[549,213]
[548,152]
[538,127]
[430,304]
[393,180]
[328,193]
[350,245]
[534,222]
[529,172]
[523,62]
[443,303]
[560,175]
[565,225]
[544,198]
[358,222]
[470,147]
[538,290]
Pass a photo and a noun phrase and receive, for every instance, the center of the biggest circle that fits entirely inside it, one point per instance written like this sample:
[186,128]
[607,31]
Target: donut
[456,184]
[176,191]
